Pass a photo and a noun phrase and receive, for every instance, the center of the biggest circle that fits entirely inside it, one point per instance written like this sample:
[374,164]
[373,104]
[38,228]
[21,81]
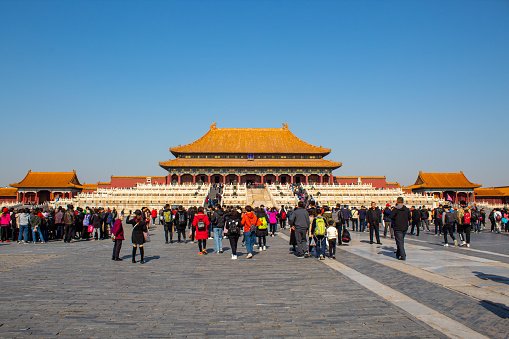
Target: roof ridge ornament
[285,126]
[214,125]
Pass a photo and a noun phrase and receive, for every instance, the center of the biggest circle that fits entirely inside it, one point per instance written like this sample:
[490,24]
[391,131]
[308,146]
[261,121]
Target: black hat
[137,212]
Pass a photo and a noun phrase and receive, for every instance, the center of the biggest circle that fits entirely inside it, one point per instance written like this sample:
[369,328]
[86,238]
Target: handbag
[91,229]
[146,236]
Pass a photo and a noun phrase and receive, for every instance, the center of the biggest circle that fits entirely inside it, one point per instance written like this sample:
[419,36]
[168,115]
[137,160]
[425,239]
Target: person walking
[24,225]
[346,216]
[97,222]
[374,219]
[272,221]
[117,233]
[319,230]
[249,221]
[218,223]
[299,221]
[154,216]
[448,221]
[332,235]
[201,223]
[401,216]
[424,218]
[362,218]
[167,222]
[262,229]
[464,217]
[180,222]
[355,219]
[416,220]
[282,217]
[387,221]
[68,221]
[138,234]
[5,224]
[437,216]
[233,230]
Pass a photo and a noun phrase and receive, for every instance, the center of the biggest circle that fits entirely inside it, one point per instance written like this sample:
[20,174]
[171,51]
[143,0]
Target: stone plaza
[75,290]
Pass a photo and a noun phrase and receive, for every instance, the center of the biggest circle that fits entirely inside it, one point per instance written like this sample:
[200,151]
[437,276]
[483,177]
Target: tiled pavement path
[75,290]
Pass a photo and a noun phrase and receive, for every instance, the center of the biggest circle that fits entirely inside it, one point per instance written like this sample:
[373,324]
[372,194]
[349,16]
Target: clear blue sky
[393,87]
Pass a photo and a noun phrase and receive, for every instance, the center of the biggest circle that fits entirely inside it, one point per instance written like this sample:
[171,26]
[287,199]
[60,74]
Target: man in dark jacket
[374,218]
[299,221]
[416,220]
[424,218]
[362,218]
[218,221]
[387,221]
[68,220]
[437,216]
[346,215]
[180,222]
[401,215]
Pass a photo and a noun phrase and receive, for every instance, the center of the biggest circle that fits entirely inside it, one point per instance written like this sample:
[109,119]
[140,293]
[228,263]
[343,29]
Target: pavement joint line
[467,249]
[449,327]
[492,297]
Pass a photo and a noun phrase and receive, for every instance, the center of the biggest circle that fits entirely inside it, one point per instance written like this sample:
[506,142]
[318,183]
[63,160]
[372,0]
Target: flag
[449,198]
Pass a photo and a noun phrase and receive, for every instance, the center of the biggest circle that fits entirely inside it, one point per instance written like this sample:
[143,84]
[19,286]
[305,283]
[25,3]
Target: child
[332,234]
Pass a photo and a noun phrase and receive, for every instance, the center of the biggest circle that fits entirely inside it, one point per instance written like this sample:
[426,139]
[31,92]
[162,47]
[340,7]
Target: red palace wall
[8,199]
[376,182]
[127,182]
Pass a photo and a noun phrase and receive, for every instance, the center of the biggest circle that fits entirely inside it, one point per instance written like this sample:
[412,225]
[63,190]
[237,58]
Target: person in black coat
[416,220]
[137,236]
[374,219]
[400,215]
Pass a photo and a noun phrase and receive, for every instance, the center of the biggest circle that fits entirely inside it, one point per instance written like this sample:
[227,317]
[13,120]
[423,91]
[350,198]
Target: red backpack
[466,217]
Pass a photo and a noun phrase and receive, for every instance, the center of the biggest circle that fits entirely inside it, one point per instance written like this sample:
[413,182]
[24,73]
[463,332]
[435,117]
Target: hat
[388,205]
[5,209]
[137,212]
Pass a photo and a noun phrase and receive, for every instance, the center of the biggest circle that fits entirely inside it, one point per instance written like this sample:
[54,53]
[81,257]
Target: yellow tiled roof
[90,187]
[49,179]
[8,192]
[250,140]
[443,180]
[492,191]
[218,163]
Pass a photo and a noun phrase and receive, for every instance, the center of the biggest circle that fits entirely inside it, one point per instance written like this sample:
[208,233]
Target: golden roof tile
[8,192]
[49,179]
[269,163]
[443,180]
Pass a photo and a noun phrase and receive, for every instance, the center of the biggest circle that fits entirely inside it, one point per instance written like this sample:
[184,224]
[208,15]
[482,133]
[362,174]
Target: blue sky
[393,87]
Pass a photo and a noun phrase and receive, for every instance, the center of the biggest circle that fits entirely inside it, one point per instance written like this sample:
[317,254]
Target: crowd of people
[311,227]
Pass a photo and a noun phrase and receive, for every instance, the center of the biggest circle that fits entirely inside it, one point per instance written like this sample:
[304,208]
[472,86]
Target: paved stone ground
[75,290]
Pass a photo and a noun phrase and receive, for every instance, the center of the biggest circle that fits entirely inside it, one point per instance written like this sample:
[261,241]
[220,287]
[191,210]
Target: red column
[277,177]
[194,178]
[178,179]
[321,179]
[291,178]
[261,179]
[456,197]
[224,178]
[36,197]
[307,179]
[239,180]
[331,179]
[209,179]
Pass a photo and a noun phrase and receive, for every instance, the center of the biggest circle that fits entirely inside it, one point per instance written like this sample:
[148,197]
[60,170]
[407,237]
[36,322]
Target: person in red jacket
[117,232]
[201,224]
[154,216]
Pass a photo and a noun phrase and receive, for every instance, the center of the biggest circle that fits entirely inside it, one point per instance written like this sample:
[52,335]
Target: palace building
[249,155]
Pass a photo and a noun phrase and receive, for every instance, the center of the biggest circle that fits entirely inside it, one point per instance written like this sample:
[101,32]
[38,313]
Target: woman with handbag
[138,237]
[117,234]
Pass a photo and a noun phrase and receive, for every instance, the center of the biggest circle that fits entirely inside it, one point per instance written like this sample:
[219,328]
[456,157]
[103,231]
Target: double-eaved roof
[442,181]
[249,141]
[48,180]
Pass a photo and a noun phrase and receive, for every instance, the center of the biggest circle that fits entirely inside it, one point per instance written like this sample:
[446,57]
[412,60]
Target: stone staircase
[258,196]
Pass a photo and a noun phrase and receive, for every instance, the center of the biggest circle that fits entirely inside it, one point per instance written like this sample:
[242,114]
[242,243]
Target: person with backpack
[68,221]
[374,218]
[332,235]
[424,218]
[416,220]
[140,228]
[201,223]
[387,221]
[401,216]
[337,216]
[179,222]
[497,218]
[437,216]
[319,231]
[475,219]
[346,214]
[282,217]
[233,230]
[448,221]
[249,221]
[463,218]
[355,219]
[272,220]
[262,226]
[218,223]
[299,221]
[117,234]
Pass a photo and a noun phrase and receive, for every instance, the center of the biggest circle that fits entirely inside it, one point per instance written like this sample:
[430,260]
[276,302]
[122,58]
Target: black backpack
[233,226]
[201,225]
[449,218]
[182,219]
[475,214]
[346,236]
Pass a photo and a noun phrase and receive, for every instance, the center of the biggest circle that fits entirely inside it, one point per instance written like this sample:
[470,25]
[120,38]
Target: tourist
[68,221]
[154,215]
[448,221]
[497,218]
[346,216]
[482,219]
[201,224]
[139,223]
[233,230]
[362,218]
[88,229]
[355,219]
[23,222]
[97,222]
[332,235]
[401,216]
[387,221]
[5,224]
[416,220]
[190,216]
[424,218]
[78,223]
[262,228]
[299,222]
[272,220]
[319,231]
[180,223]
[35,223]
[167,222]
[337,216]
[374,219]
[475,218]
[282,217]
[117,233]
[437,215]
[59,223]
[463,218]
[249,221]
[218,222]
